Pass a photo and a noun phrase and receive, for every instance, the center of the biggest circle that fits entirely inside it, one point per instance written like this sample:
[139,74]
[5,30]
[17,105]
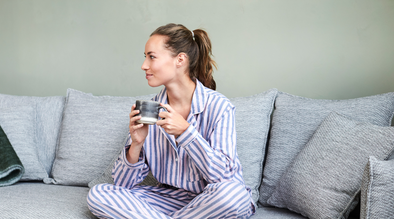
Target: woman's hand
[172,122]
[138,133]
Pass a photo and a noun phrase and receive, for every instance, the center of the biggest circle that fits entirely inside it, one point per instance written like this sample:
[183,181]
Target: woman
[191,151]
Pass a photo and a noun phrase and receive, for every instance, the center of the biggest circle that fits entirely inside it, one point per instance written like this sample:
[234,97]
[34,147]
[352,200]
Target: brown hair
[198,49]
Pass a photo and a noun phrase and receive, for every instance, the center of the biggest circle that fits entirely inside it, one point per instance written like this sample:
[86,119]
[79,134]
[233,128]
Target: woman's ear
[181,59]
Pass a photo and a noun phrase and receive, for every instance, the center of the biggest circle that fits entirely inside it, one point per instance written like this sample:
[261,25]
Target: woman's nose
[145,65]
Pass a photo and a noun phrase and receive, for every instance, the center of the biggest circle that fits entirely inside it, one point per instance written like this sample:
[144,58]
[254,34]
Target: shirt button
[176,159]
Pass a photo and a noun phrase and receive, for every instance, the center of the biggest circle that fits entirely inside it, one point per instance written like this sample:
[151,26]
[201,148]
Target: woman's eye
[151,57]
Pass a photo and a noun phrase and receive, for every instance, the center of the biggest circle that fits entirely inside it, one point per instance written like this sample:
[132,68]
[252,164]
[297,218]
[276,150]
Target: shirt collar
[198,101]
[199,98]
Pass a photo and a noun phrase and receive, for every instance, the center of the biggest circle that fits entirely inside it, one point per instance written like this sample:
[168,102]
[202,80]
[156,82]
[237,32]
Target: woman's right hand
[138,132]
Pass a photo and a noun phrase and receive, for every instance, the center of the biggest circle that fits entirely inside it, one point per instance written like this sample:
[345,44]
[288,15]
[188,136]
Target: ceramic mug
[149,111]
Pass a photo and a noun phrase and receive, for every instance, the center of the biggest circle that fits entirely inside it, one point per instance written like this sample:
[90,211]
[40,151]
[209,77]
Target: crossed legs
[219,200]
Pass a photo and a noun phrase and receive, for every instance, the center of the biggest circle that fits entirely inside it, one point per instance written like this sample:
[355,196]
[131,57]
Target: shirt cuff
[187,136]
[141,159]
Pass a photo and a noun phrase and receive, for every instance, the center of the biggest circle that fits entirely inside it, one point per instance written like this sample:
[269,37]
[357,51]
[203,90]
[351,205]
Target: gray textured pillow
[252,121]
[48,114]
[106,176]
[324,179]
[19,126]
[252,117]
[295,119]
[93,129]
[377,189]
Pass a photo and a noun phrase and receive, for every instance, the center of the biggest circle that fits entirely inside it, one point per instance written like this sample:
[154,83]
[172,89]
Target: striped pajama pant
[219,200]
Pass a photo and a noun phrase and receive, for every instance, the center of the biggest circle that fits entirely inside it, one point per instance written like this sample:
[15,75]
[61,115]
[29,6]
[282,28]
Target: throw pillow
[377,189]
[324,179]
[19,126]
[92,130]
[295,119]
[48,114]
[252,118]
[106,176]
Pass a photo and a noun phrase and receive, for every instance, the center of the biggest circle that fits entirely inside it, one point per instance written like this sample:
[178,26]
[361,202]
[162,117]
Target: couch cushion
[377,189]
[275,213]
[281,213]
[252,119]
[48,114]
[295,119]
[18,124]
[324,179]
[39,200]
[92,131]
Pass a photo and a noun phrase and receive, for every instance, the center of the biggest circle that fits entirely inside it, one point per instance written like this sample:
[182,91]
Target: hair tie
[193,35]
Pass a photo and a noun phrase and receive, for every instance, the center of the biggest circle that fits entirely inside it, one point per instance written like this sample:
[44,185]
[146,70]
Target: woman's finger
[168,107]
[134,119]
[134,128]
[164,115]
[161,122]
[133,113]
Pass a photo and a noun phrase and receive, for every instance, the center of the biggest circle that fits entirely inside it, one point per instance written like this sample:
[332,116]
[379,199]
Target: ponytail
[197,46]
[205,64]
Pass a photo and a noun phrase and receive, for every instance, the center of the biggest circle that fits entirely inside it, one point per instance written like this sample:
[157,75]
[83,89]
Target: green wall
[334,49]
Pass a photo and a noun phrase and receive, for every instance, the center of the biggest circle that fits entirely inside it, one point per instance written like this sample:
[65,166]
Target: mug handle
[162,107]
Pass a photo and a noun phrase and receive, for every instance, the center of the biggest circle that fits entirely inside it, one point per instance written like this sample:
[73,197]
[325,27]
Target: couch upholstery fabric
[27,200]
[39,200]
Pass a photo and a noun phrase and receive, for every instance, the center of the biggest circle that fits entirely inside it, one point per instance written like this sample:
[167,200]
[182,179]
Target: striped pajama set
[200,169]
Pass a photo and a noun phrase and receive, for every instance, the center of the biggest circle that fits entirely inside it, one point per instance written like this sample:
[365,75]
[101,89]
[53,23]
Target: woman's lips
[148,76]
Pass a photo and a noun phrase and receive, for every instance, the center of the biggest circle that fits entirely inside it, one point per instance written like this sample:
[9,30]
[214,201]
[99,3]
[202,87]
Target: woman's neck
[181,94]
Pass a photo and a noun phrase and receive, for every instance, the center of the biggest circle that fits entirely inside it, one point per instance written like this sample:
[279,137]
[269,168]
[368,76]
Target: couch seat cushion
[281,213]
[275,213]
[38,200]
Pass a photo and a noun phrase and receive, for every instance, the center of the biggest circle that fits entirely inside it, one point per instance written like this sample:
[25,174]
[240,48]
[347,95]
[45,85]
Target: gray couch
[301,157]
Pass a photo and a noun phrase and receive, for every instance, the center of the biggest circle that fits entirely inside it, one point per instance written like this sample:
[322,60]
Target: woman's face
[159,64]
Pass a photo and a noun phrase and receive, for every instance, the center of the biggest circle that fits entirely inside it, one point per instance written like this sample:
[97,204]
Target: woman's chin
[152,84]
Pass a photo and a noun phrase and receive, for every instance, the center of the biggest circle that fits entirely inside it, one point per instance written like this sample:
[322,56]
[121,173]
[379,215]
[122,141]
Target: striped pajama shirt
[201,167]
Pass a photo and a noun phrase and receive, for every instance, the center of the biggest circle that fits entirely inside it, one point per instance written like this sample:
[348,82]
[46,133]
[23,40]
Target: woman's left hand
[172,122]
